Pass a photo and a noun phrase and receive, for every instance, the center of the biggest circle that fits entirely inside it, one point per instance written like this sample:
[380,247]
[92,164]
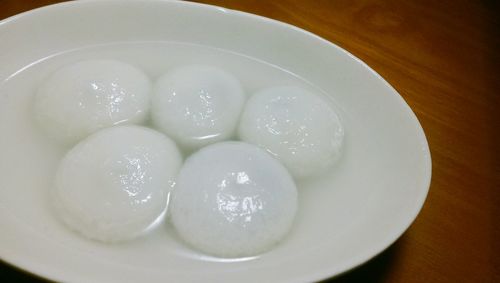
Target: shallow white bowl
[372,197]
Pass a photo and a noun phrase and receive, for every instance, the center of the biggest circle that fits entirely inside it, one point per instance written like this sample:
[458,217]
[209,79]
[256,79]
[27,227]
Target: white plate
[372,197]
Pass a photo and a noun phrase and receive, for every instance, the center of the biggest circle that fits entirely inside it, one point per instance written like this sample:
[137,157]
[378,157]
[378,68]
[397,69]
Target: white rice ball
[84,97]
[113,185]
[197,105]
[233,199]
[298,127]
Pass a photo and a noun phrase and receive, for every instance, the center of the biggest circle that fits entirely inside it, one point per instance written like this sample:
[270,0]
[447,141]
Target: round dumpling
[233,199]
[296,126]
[84,97]
[197,105]
[114,184]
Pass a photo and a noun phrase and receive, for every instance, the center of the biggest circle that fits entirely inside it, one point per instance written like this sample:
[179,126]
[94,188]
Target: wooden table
[443,58]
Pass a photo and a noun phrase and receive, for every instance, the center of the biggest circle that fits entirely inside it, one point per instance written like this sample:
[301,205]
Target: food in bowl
[89,95]
[297,126]
[197,105]
[114,184]
[233,199]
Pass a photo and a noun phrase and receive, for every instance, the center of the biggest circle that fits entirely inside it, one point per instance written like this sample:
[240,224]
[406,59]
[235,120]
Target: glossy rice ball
[233,199]
[296,126]
[84,97]
[114,184]
[197,105]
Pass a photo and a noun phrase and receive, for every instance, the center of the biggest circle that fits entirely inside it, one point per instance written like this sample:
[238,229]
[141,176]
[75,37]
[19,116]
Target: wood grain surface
[443,58]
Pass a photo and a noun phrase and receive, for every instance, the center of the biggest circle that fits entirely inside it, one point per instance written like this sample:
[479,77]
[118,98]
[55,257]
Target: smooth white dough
[298,127]
[86,96]
[233,199]
[114,184]
[197,105]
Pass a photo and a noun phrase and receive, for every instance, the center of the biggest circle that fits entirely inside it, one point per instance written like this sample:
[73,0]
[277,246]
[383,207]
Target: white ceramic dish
[371,198]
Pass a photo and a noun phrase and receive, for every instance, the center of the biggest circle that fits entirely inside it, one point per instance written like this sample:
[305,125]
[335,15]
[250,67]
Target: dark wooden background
[443,58]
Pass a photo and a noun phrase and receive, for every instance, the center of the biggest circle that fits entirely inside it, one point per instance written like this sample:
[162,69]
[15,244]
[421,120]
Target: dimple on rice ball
[86,96]
[233,199]
[197,105]
[298,127]
[114,185]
